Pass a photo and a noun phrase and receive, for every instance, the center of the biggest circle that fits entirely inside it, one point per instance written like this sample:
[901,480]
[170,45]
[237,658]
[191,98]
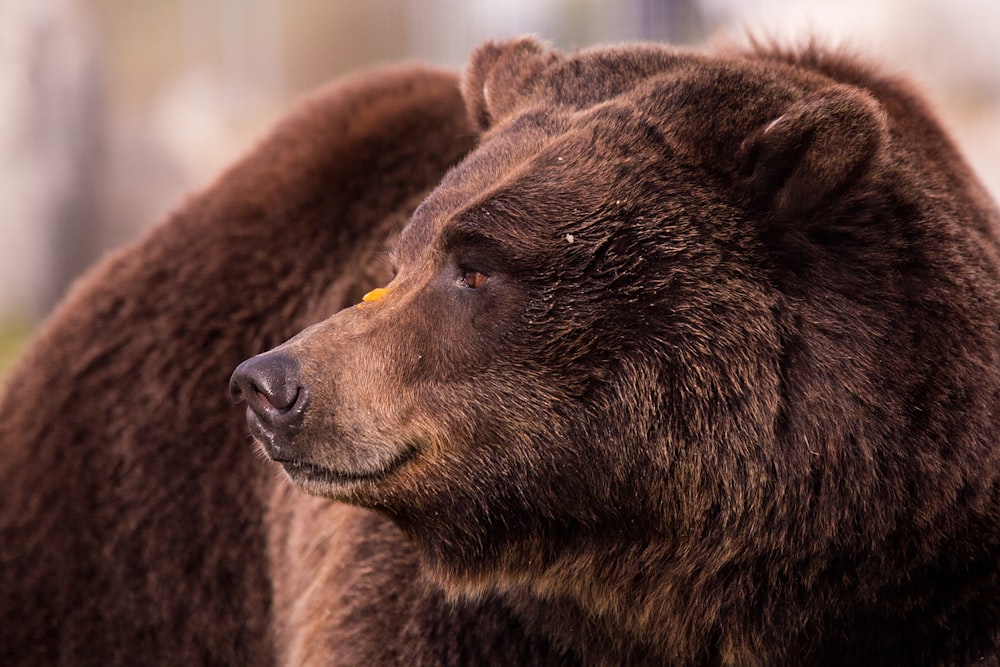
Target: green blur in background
[14,332]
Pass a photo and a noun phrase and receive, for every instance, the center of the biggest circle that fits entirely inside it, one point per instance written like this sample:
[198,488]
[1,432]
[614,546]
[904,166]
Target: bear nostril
[275,402]
[269,383]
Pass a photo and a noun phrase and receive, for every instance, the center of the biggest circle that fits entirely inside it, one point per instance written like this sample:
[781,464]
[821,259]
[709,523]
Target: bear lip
[305,472]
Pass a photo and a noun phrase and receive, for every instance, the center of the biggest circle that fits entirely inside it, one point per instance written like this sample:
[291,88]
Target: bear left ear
[500,76]
[816,148]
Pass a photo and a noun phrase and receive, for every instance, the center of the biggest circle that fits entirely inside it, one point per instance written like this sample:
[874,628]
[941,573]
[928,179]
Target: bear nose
[269,383]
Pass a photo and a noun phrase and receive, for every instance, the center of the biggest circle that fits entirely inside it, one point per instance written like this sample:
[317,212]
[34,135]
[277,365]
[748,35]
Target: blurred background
[112,110]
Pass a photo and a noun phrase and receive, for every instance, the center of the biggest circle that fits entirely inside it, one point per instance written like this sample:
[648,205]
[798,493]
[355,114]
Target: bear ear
[816,148]
[499,76]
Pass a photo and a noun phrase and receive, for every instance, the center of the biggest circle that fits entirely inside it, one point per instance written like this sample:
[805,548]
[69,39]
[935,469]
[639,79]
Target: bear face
[666,344]
[556,298]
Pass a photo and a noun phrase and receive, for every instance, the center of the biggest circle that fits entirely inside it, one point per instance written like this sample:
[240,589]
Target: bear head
[638,349]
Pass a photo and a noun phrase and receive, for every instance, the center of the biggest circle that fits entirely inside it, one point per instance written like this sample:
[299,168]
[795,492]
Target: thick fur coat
[684,359]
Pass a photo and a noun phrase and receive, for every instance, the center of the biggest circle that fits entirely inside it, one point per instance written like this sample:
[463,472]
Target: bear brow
[465,234]
[412,237]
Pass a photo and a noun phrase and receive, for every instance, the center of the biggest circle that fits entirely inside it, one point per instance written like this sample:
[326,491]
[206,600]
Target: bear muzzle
[276,400]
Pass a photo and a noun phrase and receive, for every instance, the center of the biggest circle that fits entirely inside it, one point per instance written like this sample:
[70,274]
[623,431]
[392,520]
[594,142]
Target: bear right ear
[500,76]
[817,147]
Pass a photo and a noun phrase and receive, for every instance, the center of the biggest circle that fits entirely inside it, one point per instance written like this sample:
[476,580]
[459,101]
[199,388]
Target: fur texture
[693,359]
[133,523]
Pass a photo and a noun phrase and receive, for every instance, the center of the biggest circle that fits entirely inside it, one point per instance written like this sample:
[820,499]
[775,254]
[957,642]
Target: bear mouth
[323,480]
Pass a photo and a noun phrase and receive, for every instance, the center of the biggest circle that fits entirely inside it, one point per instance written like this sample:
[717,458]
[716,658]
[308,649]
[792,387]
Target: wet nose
[276,399]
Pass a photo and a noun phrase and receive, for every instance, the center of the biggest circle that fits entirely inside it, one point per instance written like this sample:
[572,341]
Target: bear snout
[276,400]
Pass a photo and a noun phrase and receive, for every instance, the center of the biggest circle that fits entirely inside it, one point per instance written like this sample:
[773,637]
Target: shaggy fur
[133,520]
[693,359]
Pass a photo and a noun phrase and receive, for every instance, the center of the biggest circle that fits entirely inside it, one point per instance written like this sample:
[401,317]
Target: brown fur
[132,527]
[726,395]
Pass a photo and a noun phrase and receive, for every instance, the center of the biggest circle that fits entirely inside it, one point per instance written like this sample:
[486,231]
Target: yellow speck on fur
[375,295]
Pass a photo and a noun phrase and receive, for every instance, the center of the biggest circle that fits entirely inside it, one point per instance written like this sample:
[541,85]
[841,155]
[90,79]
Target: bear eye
[473,279]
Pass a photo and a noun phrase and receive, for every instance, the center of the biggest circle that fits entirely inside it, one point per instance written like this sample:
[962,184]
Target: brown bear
[692,359]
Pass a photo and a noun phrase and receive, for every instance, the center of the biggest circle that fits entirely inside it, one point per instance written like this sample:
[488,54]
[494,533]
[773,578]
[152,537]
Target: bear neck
[646,602]
[637,605]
